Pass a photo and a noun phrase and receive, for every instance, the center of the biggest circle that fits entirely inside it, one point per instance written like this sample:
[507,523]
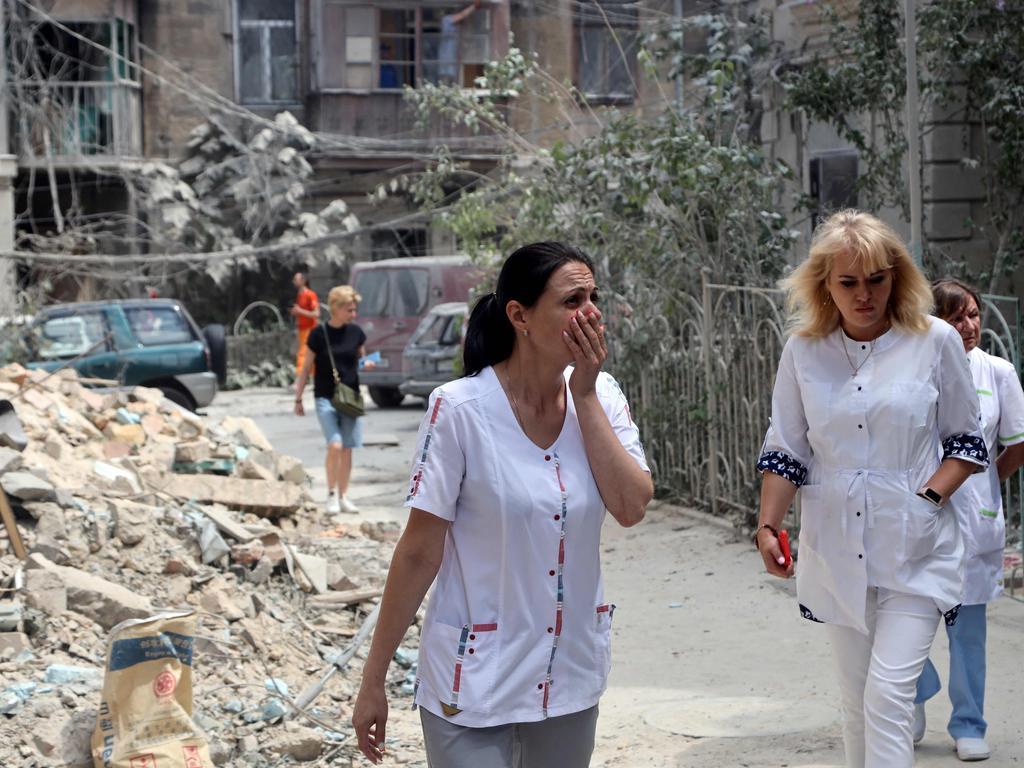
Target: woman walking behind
[979,509]
[515,467]
[875,420]
[337,346]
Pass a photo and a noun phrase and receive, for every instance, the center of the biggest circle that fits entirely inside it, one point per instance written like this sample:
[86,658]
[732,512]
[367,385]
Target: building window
[267,57]
[606,47]
[833,177]
[397,243]
[394,47]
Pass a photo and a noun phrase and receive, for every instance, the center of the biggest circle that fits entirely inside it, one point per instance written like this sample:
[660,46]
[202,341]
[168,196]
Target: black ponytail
[490,336]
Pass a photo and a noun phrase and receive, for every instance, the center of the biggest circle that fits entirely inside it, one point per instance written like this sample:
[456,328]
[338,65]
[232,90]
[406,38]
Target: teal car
[147,342]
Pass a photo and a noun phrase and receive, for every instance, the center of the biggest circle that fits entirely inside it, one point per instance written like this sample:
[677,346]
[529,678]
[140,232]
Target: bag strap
[330,354]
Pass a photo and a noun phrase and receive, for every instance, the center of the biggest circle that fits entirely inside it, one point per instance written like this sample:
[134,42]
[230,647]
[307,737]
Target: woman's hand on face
[369,718]
[299,409]
[771,553]
[586,341]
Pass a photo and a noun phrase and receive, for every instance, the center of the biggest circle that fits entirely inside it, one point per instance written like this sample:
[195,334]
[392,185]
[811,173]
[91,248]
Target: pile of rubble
[124,505]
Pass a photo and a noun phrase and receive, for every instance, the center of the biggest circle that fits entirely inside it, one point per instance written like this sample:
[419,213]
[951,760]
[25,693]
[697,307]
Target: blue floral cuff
[784,465]
[967,448]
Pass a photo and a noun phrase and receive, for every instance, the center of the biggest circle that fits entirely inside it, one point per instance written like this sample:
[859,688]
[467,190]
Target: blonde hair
[874,247]
[340,295]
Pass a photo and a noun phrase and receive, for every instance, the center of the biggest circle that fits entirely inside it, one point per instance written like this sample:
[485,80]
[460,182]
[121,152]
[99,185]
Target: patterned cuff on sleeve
[784,465]
[965,447]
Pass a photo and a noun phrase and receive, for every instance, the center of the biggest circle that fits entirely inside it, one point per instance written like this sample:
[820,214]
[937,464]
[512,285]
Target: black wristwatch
[930,495]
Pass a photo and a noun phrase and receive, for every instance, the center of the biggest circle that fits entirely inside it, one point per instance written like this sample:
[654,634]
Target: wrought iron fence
[705,398]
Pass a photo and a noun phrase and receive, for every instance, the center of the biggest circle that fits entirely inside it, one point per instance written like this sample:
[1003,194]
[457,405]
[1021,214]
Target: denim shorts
[337,427]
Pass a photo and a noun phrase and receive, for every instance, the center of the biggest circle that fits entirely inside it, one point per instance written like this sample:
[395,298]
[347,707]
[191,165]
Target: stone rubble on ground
[128,504]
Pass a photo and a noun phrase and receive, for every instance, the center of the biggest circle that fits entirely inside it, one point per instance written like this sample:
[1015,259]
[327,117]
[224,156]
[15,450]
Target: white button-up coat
[859,446]
[978,503]
[517,627]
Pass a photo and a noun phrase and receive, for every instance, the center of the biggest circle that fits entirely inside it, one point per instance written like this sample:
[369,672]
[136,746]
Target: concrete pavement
[713,666]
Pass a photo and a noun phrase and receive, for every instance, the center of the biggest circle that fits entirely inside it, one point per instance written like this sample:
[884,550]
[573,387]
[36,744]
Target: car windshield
[158,325]
[430,330]
[71,335]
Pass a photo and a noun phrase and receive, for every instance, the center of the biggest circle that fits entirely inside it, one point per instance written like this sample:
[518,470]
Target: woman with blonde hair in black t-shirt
[343,432]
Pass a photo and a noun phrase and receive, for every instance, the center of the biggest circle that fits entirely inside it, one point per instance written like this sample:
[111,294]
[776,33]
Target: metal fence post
[709,388]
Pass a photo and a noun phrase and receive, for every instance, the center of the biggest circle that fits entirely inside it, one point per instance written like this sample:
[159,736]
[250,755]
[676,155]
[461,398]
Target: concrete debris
[271,498]
[114,531]
[102,601]
[26,486]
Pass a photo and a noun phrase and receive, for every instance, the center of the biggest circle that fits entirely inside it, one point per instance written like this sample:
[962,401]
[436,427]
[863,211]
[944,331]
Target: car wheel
[216,340]
[178,397]
[386,397]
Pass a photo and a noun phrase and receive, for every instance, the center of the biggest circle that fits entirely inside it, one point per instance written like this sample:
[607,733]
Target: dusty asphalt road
[713,668]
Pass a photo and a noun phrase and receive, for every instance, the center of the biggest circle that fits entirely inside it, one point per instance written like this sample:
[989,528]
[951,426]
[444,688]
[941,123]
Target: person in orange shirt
[306,311]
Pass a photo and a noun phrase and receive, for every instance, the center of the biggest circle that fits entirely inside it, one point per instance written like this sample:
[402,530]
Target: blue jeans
[966,674]
[337,427]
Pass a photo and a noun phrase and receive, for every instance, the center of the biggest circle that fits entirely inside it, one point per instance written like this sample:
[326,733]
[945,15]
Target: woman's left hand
[585,339]
[369,365]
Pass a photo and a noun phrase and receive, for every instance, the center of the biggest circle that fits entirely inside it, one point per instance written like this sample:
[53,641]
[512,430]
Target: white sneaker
[919,722]
[348,506]
[333,506]
[970,750]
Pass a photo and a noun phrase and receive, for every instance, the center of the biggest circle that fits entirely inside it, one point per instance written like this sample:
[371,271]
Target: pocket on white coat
[460,663]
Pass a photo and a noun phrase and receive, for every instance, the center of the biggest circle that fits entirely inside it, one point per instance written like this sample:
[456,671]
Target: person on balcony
[979,508]
[875,421]
[448,46]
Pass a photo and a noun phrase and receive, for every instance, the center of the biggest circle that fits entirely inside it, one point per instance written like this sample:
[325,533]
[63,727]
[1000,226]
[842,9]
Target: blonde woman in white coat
[875,420]
[979,509]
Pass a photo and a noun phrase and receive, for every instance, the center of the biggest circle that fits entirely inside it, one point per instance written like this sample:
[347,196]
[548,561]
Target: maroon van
[396,295]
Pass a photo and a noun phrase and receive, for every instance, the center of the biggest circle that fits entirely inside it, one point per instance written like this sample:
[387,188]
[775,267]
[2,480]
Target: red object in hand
[784,546]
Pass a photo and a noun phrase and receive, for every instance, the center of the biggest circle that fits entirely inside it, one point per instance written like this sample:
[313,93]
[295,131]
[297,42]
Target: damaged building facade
[105,94]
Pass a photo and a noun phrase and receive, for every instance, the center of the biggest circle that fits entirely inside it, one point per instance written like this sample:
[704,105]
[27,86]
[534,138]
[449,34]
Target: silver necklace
[512,399]
[849,359]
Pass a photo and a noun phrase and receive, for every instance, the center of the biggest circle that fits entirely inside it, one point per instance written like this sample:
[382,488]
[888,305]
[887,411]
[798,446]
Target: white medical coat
[978,502]
[517,628]
[859,447]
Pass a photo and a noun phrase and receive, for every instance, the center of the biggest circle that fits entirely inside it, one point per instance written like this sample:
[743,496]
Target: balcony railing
[76,123]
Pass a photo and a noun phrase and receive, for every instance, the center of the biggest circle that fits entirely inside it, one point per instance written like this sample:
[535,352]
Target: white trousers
[878,675]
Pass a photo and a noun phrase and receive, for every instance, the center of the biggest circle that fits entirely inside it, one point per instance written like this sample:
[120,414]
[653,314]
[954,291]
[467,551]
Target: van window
[72,335]
[410,296]
[372,287]
[158,325]
[392,292]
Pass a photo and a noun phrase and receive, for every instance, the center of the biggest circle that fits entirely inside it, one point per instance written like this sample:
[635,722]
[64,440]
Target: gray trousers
[558,742]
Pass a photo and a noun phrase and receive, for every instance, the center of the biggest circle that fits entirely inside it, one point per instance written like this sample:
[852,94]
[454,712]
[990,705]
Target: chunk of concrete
[102,601]
[192,451]
[45,591]
[263,497]
[10,460]
[291,470]
[117,478]
[27,486]
[245,431]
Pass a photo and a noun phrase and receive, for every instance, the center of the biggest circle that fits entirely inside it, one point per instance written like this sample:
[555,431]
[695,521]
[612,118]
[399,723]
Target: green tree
[971,53]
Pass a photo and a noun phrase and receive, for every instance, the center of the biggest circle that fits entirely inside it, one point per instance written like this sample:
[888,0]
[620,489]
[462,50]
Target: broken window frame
[105,102]
[266,28]
[334,22]
[615,22]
